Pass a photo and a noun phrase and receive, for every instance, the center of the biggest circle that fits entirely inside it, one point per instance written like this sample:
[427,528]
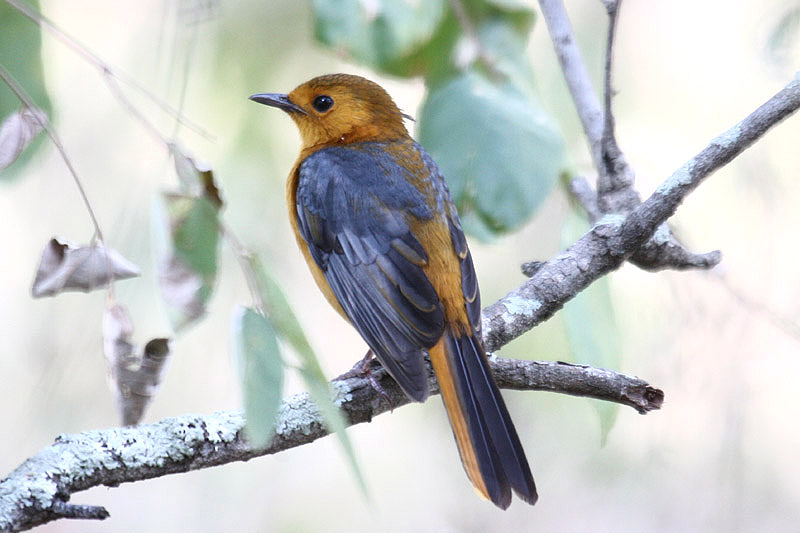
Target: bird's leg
[362,370]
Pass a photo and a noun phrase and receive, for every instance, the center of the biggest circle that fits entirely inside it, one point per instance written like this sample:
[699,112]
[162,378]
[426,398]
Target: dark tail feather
[487,441]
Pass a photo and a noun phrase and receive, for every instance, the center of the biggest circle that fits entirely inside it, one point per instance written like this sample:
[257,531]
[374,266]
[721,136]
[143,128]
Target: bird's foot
[362,370]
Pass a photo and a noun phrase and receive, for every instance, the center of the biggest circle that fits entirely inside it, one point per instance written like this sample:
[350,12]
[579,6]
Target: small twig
[84,512]
[126,104]
[579,380]
[105,69]
[615,192]
[664,251]
[615,178]
[575,74]
[187,63]
[23,96]
[661,252]
[612,8]
[582,191]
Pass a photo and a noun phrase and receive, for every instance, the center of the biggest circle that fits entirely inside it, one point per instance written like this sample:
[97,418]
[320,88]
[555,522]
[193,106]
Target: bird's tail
[487,441]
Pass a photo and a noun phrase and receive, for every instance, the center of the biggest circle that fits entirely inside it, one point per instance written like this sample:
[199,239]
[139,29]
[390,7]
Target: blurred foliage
[255,349]
[280,315]
[497,147]
[187,245]
[21,55]
[501,157]
[383,34]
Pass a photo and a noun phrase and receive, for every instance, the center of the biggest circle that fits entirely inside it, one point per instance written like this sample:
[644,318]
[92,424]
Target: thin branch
[128,106]
[575,74]
[83,512]
[614,173]
[34,492]
[23,96]
[578,380]
[582,191]
[105,69]
[615,177]
[612,8]
[615,238]
[660,252]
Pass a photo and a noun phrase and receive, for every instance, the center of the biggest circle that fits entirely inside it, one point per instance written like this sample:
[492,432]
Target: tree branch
[575,74]
[614,238]
[615,194]
[615,190]
[37,491]
[663,251]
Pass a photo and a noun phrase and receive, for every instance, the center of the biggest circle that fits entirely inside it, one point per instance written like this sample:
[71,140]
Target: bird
[375,222]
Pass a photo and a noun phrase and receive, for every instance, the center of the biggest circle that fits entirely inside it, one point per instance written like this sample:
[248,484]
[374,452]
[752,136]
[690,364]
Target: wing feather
[355,207]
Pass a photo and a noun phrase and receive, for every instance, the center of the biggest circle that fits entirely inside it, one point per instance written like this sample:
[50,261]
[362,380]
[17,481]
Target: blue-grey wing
[354,208]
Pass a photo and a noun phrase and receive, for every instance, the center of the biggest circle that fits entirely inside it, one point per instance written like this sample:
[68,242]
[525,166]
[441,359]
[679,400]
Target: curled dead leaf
[64,267]
[196,177]
[133,377]
[18,131]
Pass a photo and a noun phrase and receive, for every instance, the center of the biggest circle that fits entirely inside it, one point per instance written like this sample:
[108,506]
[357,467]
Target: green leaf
[21,55]
[591,330]
[435,60]
[277,307]
[195,233]
[255,348]
[518,13]
[506,42]
[186,241]
[498,149]
[379,33]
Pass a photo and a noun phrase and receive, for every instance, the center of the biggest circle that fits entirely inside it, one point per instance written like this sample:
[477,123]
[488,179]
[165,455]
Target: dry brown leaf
[133,377]
[64,267]
[18,131]
[196,177]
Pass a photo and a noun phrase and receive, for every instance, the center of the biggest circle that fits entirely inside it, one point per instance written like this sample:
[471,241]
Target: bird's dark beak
[281,101]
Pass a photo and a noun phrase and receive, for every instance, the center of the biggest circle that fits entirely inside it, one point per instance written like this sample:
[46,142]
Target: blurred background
[724,345]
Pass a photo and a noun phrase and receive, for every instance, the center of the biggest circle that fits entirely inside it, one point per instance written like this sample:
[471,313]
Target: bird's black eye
[322,103]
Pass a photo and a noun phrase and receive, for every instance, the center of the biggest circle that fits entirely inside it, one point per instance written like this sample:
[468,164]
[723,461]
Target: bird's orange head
[340,109]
